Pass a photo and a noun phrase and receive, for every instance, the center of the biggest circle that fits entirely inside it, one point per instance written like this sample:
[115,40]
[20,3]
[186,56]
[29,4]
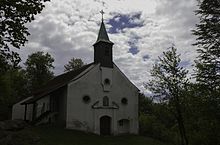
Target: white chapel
[96,98]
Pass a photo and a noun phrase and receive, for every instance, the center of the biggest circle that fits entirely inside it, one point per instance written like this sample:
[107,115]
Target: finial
[102,12]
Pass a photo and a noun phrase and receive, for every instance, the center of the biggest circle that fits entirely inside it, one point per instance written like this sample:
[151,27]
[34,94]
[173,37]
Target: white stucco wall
[82,116]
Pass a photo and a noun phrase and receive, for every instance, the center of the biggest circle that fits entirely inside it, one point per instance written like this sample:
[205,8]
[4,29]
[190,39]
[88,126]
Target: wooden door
[105,125]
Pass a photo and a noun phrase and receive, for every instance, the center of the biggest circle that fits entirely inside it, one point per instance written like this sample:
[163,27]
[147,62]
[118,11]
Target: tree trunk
[184,139]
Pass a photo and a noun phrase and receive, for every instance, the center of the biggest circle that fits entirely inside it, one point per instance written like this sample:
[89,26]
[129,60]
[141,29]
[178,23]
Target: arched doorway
[105,125]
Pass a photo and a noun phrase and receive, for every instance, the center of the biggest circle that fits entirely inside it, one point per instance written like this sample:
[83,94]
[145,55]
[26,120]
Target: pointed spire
[103,35]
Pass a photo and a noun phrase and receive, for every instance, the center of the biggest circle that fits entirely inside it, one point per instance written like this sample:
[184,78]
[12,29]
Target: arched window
[105,101]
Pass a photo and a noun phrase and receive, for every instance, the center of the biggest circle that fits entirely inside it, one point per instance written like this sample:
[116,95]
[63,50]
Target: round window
[86,99]
[124,101]
[107,81]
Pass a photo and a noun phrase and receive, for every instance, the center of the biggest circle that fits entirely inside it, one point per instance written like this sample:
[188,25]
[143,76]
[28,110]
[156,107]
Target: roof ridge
[57,82]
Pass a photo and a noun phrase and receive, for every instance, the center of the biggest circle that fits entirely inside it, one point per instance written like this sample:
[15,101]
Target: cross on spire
[102,12]
[103,45]
[103,35]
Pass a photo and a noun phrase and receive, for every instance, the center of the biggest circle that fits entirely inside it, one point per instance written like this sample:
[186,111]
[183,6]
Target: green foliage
[13,87]
[145,105]
[155,120]
[169,78]
[38,69]
[16,83]
[151,126]
[208,42]
[73,64]
[169,86]
[205,95]
[3,64]
[202,125]
[14,14]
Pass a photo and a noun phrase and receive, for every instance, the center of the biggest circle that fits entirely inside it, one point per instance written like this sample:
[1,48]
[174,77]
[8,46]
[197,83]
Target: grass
[58,136]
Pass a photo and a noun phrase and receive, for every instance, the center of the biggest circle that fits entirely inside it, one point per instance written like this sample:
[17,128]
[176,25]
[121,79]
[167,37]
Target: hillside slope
[57,136]
[51,135]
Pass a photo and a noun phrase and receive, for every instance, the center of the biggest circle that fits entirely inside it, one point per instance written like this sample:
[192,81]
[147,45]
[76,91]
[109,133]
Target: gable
[98,75]
[124,77]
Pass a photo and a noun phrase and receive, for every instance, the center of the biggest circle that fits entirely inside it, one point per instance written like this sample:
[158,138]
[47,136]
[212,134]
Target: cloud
[120,22]
[140,30]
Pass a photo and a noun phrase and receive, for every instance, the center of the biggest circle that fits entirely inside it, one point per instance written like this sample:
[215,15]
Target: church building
[96,98]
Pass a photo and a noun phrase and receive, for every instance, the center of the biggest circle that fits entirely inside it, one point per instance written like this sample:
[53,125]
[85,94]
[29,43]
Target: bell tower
[103,47]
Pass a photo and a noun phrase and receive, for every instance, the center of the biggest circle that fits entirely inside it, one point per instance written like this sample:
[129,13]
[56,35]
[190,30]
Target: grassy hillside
[57,136]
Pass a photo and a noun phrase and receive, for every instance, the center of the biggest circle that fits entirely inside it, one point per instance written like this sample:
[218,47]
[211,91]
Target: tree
[4,65]
[207,70]
[168,86]
[155,120]
[73,64]
[38,69]
[145,104]
[14,14]
[13,87]
[208,42]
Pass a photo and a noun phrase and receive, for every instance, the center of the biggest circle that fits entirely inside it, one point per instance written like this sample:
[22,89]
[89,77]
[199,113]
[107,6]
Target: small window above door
[105,101]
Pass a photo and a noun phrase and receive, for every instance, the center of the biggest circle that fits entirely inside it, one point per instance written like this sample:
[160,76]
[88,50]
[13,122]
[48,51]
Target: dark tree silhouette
[14,14]
[208,42]
[73,64]
[38,69]
[207,70]
[168,85]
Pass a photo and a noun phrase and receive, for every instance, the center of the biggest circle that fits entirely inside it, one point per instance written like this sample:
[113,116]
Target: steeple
[103,36]
[103,47]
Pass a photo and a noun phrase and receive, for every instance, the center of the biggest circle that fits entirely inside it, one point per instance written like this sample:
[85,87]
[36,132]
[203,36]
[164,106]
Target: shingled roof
[56,83]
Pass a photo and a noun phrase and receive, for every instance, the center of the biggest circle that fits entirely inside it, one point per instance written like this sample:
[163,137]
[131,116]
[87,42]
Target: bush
[5,112]
[150,126]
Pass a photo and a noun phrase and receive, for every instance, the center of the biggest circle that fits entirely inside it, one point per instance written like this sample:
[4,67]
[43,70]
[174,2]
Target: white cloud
[68,28]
